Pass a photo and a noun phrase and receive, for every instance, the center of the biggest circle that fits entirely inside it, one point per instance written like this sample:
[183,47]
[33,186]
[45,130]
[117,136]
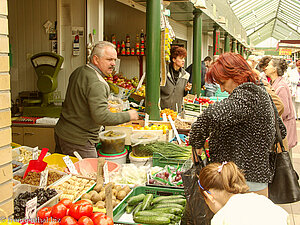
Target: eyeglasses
[203,188]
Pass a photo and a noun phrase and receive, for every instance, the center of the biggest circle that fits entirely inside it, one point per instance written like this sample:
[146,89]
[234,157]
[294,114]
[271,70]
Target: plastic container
[156,191]
[140,161]
[25,158]
[22,171]
[55,161]
[16,184]
[26,187]
[112,166]
[138,140]
[112,141]
[119,158]
[19,165]
[115,105]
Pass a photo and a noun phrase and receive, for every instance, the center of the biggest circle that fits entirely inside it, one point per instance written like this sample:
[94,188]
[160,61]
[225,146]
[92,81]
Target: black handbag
[284,187]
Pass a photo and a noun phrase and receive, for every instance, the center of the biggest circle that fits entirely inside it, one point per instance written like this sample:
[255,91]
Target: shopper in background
[85,107]
[177,85]
[275,70]
[240,128]
[224,189]
[294,79]
[204,67]
[211,88]
[263,63]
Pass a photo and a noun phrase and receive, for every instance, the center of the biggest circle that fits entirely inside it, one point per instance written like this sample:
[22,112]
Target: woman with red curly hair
[177,84]
[240,128]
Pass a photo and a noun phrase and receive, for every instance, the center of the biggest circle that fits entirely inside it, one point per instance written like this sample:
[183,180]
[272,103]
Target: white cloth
[293,77]
[250,209]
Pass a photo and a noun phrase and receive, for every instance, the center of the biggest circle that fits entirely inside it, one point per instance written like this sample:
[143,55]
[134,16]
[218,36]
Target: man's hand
[133,115]
[188,86]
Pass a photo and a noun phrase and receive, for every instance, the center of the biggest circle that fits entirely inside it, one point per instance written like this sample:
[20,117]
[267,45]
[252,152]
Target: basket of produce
[24,193]
[112,141]
[139,140]
[120,92]
[151,205]
[169,176]
[23,154]
[55,161]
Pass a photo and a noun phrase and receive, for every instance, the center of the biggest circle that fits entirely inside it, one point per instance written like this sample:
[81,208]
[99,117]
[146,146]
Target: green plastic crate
[159,160]
[156,191]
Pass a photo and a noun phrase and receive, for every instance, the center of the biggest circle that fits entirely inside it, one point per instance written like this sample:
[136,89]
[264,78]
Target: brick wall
[6,202]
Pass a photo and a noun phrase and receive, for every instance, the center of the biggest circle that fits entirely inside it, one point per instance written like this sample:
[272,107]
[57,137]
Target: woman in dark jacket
[177,85]
[240,128]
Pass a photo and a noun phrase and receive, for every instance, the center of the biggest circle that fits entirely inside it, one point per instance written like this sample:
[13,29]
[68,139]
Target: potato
[86,196]
[112,184]
[118,187]
[98,187]
[114,198]
[118,201]
[103,189]
[114,192]
[96,198]
[102,195]
[92,193]
[114,203]
[100,205]
[126,189]
[121,195]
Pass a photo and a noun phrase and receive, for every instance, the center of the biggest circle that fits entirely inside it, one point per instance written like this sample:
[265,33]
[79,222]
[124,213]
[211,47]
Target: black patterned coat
[241,129]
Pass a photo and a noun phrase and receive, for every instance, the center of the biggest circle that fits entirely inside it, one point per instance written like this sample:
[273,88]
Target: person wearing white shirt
[226,193]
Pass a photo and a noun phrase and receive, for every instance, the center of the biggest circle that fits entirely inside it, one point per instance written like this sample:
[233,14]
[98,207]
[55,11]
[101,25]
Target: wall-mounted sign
[285,51]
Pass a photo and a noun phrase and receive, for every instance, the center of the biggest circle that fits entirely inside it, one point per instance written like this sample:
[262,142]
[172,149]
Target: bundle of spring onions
[166,149]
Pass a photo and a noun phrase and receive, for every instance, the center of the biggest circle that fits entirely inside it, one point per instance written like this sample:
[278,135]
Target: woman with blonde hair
[225,191]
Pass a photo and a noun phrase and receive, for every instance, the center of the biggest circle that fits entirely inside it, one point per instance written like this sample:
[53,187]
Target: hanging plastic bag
[197,212]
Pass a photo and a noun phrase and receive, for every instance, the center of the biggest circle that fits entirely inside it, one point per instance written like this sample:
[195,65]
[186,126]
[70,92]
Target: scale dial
[44,60]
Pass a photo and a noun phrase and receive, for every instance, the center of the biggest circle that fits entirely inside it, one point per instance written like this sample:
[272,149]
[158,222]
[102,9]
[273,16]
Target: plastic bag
[197,212]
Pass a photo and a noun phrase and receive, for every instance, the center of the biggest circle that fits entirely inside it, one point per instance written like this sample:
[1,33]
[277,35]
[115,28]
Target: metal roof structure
[263,19]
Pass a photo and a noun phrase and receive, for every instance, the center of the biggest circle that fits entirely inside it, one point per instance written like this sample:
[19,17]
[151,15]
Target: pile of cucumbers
[161,210]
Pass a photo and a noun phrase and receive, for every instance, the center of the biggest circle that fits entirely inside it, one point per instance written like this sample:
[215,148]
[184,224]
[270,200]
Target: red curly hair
[178,51]
[231,65]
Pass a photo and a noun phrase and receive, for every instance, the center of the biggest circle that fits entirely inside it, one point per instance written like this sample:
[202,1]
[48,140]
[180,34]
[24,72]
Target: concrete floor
[294,208]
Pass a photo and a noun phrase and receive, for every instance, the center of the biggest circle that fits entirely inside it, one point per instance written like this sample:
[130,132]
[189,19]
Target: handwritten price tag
[174,129]
[70,164]
[30,210]
[105,171]
[44,178]
[146,119]
[165,117]
[35,153]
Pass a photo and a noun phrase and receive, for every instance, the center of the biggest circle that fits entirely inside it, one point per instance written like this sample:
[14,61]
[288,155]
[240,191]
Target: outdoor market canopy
[268,18]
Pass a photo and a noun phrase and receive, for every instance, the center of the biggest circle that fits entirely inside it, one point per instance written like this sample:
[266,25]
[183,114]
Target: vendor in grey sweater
[177,84]
[85,107]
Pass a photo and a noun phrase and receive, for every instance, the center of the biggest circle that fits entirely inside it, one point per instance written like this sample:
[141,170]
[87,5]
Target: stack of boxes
[6,186]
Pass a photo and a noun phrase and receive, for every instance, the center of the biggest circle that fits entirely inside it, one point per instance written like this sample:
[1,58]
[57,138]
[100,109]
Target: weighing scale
[46,66]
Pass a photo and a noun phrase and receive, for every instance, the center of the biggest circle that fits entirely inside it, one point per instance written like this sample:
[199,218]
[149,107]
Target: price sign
[165,117]
[105,171]
[35,153]
[141,103]
[70,164]
[146,119]
[30,210]
[174,129]
[44,178]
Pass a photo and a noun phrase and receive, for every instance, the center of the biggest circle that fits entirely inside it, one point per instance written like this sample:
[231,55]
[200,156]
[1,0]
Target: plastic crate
[18,164]
[156,191]
[160,160]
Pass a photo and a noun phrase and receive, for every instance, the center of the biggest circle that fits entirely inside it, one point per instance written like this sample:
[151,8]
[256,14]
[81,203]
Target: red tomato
[51,223]
[84,201]
[67,213]
[80,209]
[85,221]
[67,202]
[68,220]
[44,213]
[103,220]
[96,214]
[59,211]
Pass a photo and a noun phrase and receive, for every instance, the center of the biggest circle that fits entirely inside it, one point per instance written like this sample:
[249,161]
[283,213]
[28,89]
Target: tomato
[81,208]
[68,220]
[44,213]
[85,221]
[103,220]
[96,214]
[83,201]
[67,213]
[51,223]
[67,202]
[59,211]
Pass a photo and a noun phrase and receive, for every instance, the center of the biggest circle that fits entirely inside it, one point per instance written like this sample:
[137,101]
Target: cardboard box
[6,173]
[6,190]
[5,155]
[7,206]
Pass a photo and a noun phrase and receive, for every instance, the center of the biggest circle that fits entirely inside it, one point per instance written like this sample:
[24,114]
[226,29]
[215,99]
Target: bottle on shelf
[142,51]
[137,51]
[127,51]
[127,44]
[132,51]
[142,37]
[123,44]
[137,43]
[113,39]
[118,48]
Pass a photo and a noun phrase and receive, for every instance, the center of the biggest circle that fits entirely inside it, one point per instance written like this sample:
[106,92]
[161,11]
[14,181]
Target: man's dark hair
[207,58]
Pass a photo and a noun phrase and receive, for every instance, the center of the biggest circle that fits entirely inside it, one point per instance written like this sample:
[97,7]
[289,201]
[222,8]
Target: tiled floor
[294,208]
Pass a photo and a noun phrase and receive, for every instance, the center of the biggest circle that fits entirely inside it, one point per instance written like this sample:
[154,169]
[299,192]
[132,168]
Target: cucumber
[137,209]
[151,220]
[176,219]
[136,199]
[161,198]
[151,213]
[174,201]
[163,205]
[147,201]
[171,210]
[129,208]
